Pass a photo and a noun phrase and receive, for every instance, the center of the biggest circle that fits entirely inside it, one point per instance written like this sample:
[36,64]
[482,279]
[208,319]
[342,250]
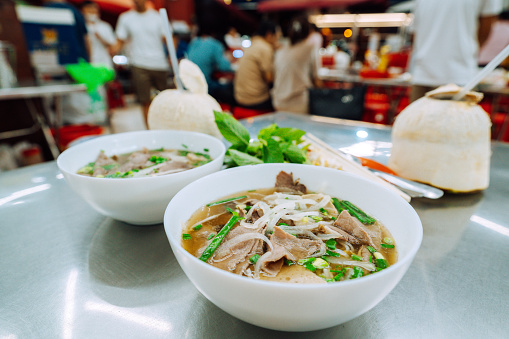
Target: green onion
[333,218]
[324,211]
[356,257]
[157,159]
[339,274]
[357,272]
[184,153]
[282,224]
[310,267]
[214,244]
[252,191]
[197,227]
[159,149]
[289,262]
[320,263]
[387,246]
[211,235]
[388,241]
[381,263]
[186,236]
[332,254]
[205,150]
[371,249]
[337,204]
[185,146]
[306,261]
[230,210]
[357,212]
[108,167]
[254,258]
[331,244]
[247,208]
[226,200]
[316,218]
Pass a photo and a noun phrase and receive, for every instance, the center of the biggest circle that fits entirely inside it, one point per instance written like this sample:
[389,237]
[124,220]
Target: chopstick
[350,166]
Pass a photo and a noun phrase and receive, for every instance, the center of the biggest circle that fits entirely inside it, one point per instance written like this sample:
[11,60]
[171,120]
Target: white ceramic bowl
[140,201]
[286,306]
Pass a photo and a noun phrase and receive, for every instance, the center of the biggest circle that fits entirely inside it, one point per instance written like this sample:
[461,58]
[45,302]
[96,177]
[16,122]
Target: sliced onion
[225,247]
[258,264]
[208,218]
[363,264]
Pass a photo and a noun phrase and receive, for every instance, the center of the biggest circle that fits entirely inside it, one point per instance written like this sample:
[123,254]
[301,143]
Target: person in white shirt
[142,27]
[100,33]
[447,39]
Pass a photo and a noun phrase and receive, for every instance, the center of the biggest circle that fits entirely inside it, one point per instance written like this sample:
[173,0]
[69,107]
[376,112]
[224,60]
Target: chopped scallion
[254,258]
[324,211]
[331,244]
[388,241]
[387,246]
[310,267]
[289,262]
[306,261]
[186,236]
[357,272]
[332,254]
[211,235]
[226,200]
[214,244]
[197,227]
[356,257]
[381,263]
[371,249]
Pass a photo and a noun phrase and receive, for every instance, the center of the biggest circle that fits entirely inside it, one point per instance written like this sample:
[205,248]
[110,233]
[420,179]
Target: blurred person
[208,53]
[295,70]
[142,27]
[82,44]
[255,73]
[100,33]
[232,39]
[497,40]
[447,39]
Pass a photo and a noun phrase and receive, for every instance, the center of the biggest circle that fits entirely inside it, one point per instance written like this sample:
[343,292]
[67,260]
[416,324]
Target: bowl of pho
[292,247]
[133,176]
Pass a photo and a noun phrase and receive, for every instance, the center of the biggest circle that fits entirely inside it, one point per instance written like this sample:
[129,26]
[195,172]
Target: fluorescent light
[362,20]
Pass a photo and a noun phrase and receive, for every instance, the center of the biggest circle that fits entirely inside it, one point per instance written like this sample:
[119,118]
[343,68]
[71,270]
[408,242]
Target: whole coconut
[442,142]
[188,110]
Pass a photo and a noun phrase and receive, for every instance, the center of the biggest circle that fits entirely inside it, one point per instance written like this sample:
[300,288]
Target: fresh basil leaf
[272,153]
[289,133]
[295,154]
[255,148]
[232,130]
[242,159]
[267,132]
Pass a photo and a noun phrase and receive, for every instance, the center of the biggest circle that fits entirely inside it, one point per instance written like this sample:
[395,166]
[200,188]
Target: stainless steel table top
[68,272]
[40,91]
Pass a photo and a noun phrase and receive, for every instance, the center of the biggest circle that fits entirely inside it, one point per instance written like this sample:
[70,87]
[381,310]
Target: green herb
[230,210]
[115,175]
[320,263]
[159,149]
[183,153]
[306,261]
[254,258]
[339,274]
[388,241]
[310,267]
[226,200]
[108,167]
[157,159]
[289,262]
[282,224]
[87,169]
[357,272]
[186,236]
[274,144]
[387,246]
[214,244]
[336,204]
[371,249]
[211,235]
[316,218]
[331,244]
[205,150]
[247,208]
[356,257]
[185,146]
[381,263]
[324,211]
[333,218]
[332,254]
[197,227]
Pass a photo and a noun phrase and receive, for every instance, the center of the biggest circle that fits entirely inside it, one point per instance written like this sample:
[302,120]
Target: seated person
[255,73]
[208,53]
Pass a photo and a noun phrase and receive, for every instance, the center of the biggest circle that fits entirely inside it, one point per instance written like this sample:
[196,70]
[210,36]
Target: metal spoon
[412,188]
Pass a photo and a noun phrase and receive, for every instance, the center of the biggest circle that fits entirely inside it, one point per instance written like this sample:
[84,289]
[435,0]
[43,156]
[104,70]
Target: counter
[69,272]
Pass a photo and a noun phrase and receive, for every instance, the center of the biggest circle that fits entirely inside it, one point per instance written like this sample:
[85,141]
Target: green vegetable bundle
[274,144]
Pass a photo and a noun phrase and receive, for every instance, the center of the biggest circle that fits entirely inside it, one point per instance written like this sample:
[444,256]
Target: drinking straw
[483,73]
[168,34]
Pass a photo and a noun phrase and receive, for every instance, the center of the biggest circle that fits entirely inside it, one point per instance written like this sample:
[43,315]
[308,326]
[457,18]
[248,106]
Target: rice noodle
[225,247]
[258,264]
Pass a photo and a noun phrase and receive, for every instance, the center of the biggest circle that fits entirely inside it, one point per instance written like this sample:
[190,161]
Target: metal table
[69,272]
[39,120]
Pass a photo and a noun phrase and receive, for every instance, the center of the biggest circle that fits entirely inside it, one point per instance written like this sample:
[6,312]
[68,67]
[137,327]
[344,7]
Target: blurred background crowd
[355,59]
